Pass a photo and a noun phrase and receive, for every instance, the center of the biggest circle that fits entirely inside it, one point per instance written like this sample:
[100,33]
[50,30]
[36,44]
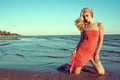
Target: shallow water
[51,51]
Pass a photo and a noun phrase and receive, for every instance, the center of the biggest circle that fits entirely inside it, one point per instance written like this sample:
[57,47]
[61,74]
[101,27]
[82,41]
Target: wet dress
[85,50]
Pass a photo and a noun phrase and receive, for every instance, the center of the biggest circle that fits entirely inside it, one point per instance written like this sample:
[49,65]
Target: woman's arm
[100,42]
[101,37]
[78,22]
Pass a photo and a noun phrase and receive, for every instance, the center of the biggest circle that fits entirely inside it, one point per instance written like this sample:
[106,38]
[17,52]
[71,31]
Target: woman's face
[86,16]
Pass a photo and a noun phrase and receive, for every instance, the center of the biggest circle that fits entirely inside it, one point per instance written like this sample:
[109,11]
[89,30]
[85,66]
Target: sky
[56,17]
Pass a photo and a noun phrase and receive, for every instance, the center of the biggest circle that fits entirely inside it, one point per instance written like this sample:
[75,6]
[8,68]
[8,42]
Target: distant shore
[9,39]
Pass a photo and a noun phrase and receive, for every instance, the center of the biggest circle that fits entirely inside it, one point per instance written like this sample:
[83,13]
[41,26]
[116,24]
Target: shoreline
[9,39]
[15,74]
[20,74]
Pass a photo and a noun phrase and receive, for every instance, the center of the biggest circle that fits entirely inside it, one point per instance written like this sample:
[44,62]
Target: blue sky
[56,17]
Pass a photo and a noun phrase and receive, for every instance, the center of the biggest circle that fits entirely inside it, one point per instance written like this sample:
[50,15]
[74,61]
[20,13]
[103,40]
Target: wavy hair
[80,22]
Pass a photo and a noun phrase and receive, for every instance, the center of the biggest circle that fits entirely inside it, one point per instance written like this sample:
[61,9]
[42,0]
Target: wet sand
[19,74]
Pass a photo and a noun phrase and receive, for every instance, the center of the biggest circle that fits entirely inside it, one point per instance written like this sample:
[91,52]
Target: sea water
[50,51]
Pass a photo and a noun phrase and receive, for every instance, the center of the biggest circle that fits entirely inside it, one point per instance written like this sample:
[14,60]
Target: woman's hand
[74,51]
[96,57]
[77,21]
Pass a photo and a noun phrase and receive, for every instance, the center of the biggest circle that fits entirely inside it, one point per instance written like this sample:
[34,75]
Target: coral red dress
[85,50]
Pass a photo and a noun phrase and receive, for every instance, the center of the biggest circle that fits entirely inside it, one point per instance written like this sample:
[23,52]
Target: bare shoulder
[100,26]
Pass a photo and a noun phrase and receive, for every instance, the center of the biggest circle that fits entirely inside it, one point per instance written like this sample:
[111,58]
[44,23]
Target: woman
[90,44]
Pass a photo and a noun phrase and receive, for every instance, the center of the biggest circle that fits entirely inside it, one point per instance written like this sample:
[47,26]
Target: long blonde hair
[80,23]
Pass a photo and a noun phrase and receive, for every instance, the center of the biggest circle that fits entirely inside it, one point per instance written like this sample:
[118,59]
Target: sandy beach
[10,74]
[54,74]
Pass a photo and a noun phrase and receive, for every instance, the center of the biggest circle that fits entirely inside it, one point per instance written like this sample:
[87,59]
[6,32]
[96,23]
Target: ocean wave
[64,49]
[25,39]
[2,56]
[114,61]
[111,51]
[111,44]
[54,47]
[59,38]
[22,56]
[46,63]
[4,44]
[61,57]
[44,46]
